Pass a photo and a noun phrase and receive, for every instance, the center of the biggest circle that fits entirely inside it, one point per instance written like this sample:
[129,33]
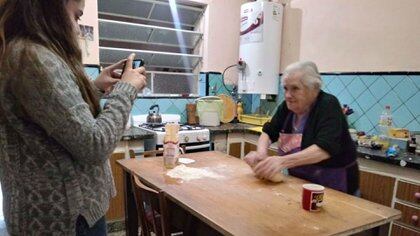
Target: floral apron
[289,143]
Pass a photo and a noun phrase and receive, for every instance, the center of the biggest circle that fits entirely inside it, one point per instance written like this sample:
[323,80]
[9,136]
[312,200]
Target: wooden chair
[146,154]
[156,218]
[151,204]
[153,153]
[152,209]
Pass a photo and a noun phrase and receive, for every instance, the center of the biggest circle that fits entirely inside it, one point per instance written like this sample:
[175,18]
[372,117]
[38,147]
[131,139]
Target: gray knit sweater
[53,153]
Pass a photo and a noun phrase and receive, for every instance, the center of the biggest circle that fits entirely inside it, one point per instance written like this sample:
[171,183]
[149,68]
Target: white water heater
[260,41]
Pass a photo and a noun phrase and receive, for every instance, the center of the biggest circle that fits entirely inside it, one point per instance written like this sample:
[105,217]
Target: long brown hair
[45,22]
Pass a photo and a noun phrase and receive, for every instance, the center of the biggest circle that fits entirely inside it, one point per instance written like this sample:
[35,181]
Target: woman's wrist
[262,151]
[292,160]
[97,87]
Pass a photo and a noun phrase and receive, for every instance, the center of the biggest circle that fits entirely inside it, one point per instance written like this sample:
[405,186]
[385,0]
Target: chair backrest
[151,208]
[153,153]
[146,154]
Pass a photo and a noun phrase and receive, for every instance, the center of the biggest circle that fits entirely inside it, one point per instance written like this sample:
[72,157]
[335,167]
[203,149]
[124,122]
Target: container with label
[171,145]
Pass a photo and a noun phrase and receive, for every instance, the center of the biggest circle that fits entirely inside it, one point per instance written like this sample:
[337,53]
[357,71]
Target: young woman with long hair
[55,140]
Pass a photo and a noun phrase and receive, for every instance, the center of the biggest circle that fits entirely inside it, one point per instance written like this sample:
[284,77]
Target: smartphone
[136,64]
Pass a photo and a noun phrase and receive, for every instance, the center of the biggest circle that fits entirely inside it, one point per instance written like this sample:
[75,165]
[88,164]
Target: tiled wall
[92,71]
[166,105]
[178,105]
[142,105]
[172,105]
[367,94]
[216,85]
[3,230]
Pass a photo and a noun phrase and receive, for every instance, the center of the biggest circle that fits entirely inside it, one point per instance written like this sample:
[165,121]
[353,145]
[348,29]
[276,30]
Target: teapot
[154,118]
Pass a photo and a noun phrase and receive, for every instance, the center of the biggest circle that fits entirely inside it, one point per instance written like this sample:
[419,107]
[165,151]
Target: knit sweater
[54,154]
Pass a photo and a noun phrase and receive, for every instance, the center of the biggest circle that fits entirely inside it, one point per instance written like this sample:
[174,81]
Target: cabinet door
[235,149]
[408,192]
[220,142]
[249,147]
[398,230]
[410,215]
[377,188]
[116,205]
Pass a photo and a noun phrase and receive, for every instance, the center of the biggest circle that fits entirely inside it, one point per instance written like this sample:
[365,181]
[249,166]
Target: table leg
[131,217]
[384,229]
[377,231]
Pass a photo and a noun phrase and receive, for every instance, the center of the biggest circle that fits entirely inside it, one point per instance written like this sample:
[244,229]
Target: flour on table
[184,160]
[190,173]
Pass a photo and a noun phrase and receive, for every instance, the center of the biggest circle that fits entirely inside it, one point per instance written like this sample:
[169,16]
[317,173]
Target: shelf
[151,10]
[148,28]
[139,33]
[154,59]
[182,85]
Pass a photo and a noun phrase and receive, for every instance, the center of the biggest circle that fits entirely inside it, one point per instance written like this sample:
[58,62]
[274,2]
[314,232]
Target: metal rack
[147,28]
[159,87]
[155,59]
[140,33]
[151,10]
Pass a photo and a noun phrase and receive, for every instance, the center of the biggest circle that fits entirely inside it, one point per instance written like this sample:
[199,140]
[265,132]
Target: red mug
[312,197]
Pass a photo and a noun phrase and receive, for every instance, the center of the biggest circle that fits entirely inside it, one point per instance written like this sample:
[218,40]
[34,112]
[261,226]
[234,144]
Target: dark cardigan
[326,127]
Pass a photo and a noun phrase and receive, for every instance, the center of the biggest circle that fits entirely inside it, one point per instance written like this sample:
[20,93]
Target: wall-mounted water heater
[260,41]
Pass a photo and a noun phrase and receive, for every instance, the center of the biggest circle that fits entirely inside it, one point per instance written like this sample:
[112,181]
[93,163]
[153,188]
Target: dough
[278,177]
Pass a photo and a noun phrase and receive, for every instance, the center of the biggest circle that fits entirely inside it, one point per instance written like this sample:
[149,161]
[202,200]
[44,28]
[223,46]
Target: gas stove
[191,138]
[188,134]
[161,127]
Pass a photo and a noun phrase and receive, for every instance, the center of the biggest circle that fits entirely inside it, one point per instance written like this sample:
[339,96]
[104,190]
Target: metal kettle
[154,117]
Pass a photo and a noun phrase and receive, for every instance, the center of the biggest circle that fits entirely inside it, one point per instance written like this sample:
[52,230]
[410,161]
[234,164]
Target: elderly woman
[312,134]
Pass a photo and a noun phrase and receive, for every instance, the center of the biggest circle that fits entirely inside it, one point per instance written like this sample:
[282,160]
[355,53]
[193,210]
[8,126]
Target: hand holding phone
[135,75]
[136,64]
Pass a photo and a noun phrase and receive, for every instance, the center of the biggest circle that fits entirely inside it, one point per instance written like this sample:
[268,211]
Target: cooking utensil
[154,118]
[229,108]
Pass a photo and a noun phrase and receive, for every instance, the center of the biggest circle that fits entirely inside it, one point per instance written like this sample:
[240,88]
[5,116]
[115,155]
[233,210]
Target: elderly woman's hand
[267,168]
[253,157]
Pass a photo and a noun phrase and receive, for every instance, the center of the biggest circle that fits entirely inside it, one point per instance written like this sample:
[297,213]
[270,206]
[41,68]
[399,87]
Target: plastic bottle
[385,118]
[385,124]
[239,110]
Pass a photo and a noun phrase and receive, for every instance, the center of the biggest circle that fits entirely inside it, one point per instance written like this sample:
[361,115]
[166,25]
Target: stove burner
[189,127]
[161,127]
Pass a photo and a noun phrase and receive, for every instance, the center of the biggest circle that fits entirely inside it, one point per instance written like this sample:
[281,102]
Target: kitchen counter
[378,167]
[135,133]
[403,159]
[232,127]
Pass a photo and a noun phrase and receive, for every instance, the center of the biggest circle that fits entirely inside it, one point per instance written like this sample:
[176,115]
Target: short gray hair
[310,78]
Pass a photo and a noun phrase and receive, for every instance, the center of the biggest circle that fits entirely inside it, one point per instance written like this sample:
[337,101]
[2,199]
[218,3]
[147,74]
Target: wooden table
[240,204]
